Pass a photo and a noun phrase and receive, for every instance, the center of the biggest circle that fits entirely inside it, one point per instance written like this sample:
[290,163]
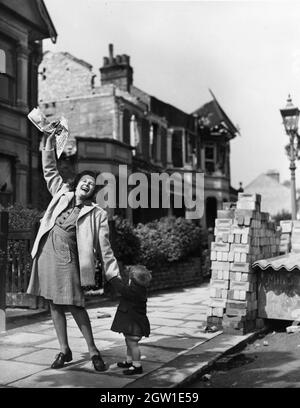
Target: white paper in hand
[62,136]
[39,120]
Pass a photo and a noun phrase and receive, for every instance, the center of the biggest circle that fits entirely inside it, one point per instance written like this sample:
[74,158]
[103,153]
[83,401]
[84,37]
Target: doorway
[211,211]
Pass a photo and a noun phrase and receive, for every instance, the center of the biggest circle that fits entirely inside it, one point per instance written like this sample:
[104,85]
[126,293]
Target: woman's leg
[60,324]
[82,319]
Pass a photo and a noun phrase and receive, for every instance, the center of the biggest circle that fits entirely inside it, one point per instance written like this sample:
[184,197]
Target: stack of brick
[286,227]
[295,237]
[219,283]
[242,235]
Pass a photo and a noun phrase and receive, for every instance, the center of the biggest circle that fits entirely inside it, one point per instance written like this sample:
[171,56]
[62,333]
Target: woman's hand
[52,125]
[49,140]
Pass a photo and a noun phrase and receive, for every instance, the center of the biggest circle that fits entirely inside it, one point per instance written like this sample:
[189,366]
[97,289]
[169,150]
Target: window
[2,62]
[222,158]
[209,151]
[6,183]
[135,134]
[126,126]
[190,149]
[7,71]
[153,141]
[177,148]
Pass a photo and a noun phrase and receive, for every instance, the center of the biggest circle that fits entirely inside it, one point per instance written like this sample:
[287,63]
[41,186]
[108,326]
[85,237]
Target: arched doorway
[211,211]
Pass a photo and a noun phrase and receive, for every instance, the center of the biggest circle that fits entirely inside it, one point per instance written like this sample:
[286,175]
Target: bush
[151,245]
[167,240]
[156,243]
[22,218]
[126,244]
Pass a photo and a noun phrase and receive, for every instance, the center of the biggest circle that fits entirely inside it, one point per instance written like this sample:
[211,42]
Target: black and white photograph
[149,197]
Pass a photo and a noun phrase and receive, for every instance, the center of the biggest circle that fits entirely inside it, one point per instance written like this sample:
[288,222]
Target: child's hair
[140,274]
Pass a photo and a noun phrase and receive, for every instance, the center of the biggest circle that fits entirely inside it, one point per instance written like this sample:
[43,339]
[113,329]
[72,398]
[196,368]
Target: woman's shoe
[98,363]
[133,370]
[61,359]
[124,364]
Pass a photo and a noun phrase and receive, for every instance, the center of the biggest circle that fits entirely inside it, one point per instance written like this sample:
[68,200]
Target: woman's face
[85,187]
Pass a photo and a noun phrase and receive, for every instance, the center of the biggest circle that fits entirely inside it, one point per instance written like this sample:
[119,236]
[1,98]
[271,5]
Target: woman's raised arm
[52,177]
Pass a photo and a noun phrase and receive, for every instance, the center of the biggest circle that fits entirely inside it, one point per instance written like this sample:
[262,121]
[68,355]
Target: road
[272,361]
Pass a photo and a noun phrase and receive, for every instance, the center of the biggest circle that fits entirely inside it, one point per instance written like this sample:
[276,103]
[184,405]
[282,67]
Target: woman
[71,232]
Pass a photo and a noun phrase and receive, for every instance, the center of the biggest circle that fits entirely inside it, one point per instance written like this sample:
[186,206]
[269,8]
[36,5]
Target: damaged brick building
[115,123]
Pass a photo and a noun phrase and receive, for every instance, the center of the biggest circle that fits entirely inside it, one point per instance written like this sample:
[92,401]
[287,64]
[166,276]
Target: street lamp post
[290,116]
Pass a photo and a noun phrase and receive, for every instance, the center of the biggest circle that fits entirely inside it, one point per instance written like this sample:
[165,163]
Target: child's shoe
[124,364]
[133,370]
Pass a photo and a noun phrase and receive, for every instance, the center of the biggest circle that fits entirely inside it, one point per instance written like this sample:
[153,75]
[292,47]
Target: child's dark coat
[131,317]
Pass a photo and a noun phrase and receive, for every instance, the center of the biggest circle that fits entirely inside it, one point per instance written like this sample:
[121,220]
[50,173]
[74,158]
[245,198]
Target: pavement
[177,351]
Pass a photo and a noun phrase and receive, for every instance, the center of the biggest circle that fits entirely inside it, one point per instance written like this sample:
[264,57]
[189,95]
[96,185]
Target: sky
[246,52]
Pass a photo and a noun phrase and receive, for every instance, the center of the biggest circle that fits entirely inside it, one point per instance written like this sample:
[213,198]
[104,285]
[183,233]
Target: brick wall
[62,76]
[83,113]
[177,275]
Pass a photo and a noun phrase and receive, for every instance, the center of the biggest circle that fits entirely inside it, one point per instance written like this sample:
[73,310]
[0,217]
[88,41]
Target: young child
[131,318]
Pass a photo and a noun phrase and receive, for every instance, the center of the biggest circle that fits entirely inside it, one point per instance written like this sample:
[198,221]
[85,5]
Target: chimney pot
[111,53]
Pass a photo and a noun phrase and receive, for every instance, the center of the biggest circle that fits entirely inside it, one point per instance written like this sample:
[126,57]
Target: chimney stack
[117,70]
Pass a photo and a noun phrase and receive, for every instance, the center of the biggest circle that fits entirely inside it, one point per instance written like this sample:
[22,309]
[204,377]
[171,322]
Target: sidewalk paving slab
[177,350]
[15,370]
[65,378]
[186,366]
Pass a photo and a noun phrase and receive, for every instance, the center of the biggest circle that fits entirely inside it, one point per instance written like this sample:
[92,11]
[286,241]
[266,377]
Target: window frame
[9,47]
[210,161]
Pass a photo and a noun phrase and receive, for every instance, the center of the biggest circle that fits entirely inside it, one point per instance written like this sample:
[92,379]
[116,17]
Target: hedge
[155,244]
[158,242]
